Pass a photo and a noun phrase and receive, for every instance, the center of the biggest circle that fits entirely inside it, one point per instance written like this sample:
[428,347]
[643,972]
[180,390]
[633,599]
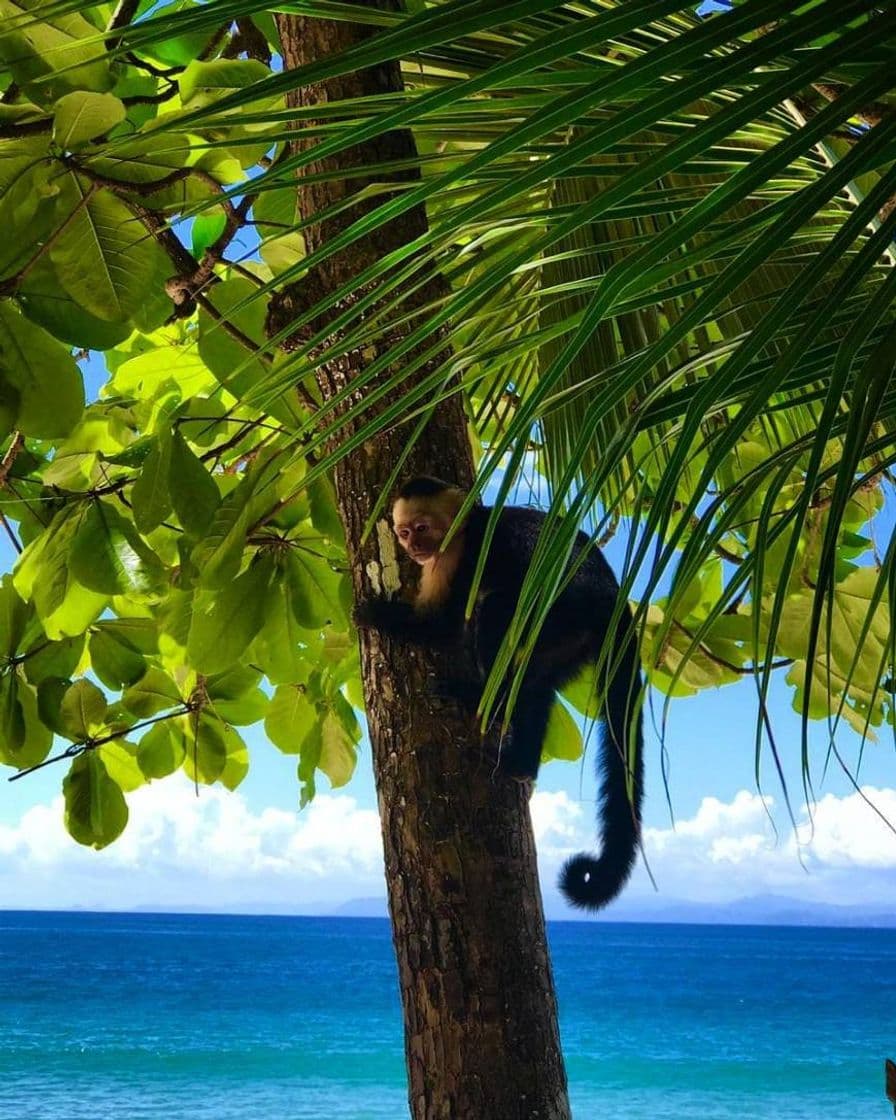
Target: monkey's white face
[420,526]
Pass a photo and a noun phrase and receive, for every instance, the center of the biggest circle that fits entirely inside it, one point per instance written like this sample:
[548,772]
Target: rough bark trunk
[476,984]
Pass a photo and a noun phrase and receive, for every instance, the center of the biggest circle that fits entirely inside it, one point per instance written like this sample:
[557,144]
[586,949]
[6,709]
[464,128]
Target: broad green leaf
[152,492]
[50,694]
[53,54]
[179,49]
[339,734]
[162,750]
[237,765]
[235,365]
[244,711]
[43,573]
[844,673]
[82,710]
[276,213]
[240,366]
[206,749]
[38,737]
[670,672]
[309,757]
[219,554]
[234,684]
[141,633]
[95,809]
[207,228]
[314,589]
[225,622]
[154,692]
[281,648]
[105,259]
[12,719]
[174,614]
[204,79]
[82,116]
[114,660]
[581,692]
[120,760]
[42,375]
[14,613]
[194,492]
[108,556]
[147,373]
[138,160]
[197,416]
[289,718]
[563,739]
[46,303]
[26,202]
[324,510]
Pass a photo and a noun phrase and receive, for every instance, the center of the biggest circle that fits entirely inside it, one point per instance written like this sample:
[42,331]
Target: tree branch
[75,749]
[18,442]
[249,41]
[122,17]
[741,670]
[15,130]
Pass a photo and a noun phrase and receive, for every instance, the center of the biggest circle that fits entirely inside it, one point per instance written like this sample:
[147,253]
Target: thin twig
[231,328]
[91,744]
[18,442]
[122,17]
[14,540]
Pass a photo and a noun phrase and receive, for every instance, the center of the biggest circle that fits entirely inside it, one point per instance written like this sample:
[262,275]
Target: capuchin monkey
[573,635]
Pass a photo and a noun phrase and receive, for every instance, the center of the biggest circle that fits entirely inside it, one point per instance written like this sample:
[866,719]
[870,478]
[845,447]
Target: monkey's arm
[398,619]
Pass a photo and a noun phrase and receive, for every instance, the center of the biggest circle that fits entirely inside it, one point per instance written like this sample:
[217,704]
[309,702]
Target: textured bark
[476,984]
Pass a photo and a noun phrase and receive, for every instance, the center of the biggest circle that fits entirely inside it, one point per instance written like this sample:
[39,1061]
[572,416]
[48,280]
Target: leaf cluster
[669,245]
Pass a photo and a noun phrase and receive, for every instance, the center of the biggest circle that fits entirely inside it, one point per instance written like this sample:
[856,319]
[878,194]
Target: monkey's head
[424,511]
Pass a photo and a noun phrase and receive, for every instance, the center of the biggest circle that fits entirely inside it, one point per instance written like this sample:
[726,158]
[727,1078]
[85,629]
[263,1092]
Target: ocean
[139,1016]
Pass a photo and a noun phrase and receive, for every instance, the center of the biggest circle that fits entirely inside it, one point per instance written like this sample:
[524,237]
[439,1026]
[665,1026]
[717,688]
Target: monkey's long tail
[590,882]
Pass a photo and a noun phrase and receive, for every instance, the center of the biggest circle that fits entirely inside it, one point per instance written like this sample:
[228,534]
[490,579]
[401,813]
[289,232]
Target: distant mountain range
[761,910]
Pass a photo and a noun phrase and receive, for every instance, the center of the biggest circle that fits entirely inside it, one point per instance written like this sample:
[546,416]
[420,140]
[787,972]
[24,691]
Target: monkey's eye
[422,527]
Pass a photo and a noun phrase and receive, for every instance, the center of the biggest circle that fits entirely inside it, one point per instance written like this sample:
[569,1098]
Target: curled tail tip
[589,883]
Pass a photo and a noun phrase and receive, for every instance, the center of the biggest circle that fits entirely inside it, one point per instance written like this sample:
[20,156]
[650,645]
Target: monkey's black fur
[573,635]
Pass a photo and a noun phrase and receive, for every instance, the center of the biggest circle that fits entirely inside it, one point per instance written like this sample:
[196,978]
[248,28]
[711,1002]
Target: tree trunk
[476,984]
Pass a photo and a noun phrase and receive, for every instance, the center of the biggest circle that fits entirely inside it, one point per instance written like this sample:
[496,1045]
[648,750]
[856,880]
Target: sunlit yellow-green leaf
[161,751]
[82,116]
[82,710]
[105,259]
[40,375]
[120,760]
[563,738]
[95,809]
[225,621]
[289,718]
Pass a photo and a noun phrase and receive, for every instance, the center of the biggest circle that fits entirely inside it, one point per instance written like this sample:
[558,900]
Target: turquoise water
[138,1016]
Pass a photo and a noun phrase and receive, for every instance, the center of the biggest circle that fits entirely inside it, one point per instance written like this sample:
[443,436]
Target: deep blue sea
[138,1016]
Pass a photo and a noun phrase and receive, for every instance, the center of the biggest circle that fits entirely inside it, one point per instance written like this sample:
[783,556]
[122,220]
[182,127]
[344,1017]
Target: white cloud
[180,849]
[842,852]
[214,851]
